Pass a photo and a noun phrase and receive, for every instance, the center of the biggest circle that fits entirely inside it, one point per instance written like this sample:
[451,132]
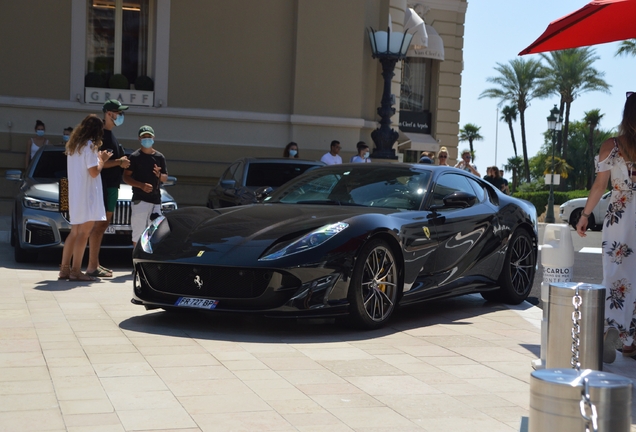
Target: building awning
[417,142]
[414,24]
[434,50]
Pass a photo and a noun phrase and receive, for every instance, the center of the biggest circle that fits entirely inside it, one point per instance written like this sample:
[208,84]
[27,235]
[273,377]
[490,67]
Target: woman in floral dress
[616,162]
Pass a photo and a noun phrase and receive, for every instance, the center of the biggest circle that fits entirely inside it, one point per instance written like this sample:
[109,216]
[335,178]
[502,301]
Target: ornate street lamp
[554,124]
[389,47]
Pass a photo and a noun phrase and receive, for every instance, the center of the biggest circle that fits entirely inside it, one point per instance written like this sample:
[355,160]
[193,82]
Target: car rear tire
[517,274]
[374,286]
[19,254]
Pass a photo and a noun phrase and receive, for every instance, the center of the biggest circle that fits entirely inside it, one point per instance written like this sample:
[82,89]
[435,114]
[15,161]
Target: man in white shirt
[332,158]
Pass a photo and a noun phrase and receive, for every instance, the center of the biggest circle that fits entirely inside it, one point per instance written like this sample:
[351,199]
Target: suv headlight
[33,203]
[308,241]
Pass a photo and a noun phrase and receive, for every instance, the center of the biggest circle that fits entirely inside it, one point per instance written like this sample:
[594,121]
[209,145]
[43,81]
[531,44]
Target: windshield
[50,165]
[398,187]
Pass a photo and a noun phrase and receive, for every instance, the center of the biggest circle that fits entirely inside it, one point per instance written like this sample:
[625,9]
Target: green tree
[514,165]
[470,133]
[518,83]
[509,114]
[579,151]
[592,119]
[627,47]
[570,74]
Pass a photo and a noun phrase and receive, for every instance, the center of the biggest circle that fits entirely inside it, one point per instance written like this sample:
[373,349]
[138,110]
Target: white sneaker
[610,341]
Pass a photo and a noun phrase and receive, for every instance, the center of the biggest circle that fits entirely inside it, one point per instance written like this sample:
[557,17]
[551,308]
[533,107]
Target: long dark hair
[627,130]
[39,123]
[90,129]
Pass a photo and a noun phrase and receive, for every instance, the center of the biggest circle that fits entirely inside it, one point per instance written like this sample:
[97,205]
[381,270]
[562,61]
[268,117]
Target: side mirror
[456,200]
[171,181]
[262,193]
[13,175]
[228,184]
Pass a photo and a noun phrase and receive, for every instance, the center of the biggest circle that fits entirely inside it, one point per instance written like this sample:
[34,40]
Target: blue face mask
[293,153]
[119,120]
[65,138]
[366,155]
[39,132]
[147,142]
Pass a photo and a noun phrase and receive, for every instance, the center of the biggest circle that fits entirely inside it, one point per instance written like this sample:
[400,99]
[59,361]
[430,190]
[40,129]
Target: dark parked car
[36,221]
[246,178]
[354,239]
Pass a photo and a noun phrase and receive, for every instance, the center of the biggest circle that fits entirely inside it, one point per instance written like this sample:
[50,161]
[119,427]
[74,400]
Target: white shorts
[140,217]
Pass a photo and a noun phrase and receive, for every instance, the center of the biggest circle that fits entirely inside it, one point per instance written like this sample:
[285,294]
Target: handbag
[63,207]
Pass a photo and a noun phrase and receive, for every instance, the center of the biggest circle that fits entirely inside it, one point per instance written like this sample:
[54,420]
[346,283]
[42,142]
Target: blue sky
[495,32]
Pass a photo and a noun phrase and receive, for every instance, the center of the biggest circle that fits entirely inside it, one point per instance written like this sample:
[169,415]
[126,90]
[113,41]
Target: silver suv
[36,221]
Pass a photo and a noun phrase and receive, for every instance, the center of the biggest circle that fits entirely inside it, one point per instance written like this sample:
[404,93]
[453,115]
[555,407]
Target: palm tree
[518,83]
[592,119]
[509,114]
[570,73]
[515,165]
[470,133]
[561,167]
[627,47]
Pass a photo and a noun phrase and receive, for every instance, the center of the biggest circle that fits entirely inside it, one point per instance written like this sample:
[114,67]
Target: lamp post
[389,47]
[554,124]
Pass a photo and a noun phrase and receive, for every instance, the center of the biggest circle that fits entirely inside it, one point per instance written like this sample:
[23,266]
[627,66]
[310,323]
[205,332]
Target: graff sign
[126,97]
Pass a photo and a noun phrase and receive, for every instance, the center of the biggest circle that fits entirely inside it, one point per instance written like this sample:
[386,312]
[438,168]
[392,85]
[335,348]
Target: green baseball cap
[146,130]
[113,105]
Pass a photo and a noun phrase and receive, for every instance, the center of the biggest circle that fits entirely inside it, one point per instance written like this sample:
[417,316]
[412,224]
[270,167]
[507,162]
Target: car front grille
[121,216]
[206,281]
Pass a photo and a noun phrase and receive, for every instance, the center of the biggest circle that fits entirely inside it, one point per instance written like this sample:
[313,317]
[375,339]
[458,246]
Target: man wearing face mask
[145,174]
[66,134]
[111,179]
[363,153]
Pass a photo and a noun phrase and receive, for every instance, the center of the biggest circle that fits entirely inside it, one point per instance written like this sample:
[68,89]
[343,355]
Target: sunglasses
[442,156]
[628,94]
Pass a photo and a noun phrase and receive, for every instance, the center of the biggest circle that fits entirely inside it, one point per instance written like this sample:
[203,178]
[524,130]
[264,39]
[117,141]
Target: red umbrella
[599,21]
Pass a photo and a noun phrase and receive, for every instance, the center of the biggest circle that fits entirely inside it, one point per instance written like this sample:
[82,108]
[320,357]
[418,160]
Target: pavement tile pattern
[80,357]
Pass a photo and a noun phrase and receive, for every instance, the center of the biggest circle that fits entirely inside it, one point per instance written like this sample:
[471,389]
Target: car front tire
[576,215]
[374,286]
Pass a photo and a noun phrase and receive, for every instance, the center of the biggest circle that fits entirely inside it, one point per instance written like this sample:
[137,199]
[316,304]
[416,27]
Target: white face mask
[293,153]
[366,155]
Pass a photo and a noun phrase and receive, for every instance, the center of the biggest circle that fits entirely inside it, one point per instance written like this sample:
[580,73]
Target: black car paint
[445,251]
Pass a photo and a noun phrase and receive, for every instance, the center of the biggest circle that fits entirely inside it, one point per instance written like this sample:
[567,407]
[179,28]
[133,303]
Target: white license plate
[110,230]
[196,303]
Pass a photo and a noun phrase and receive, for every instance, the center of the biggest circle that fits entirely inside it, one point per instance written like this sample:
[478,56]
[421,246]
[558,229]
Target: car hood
[49,191]
[576,202]
[243,233]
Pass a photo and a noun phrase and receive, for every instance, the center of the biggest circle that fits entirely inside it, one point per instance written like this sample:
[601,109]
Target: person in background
[34,143]
[86,204]
[111,179]
[496,179]
[442,156]
[425,158]
[332,157]
[363,153]
[506,188]
[615,163]
[488,177]
[466,165]
[291,150]
[145,174]
[66,134]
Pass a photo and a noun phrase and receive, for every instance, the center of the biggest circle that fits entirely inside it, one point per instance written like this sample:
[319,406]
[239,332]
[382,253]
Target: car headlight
[33,203]
[168,206]
[308,241]
[154,233]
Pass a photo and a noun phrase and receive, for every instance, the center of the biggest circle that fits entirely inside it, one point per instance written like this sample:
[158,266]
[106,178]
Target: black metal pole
[384,137]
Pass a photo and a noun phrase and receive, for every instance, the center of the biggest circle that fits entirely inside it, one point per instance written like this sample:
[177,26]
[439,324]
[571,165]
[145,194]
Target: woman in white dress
[84,163]
[616,161]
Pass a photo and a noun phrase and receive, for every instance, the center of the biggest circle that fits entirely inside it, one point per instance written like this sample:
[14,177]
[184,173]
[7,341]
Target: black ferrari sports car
[352,239]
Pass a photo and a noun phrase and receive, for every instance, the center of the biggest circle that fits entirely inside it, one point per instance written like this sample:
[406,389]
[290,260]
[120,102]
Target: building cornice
[447,5]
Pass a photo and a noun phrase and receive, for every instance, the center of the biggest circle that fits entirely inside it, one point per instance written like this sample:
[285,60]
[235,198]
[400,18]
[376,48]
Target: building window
[415,95]
[118,41]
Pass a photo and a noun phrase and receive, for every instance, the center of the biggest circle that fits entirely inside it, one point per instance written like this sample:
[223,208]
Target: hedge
[540,199]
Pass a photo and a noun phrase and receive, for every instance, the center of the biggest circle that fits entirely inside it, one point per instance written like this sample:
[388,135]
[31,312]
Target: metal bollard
[567,400]
[560,328]
[557,260]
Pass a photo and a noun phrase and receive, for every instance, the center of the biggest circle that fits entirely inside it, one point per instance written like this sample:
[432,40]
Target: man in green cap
[111,179]
[145,174]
